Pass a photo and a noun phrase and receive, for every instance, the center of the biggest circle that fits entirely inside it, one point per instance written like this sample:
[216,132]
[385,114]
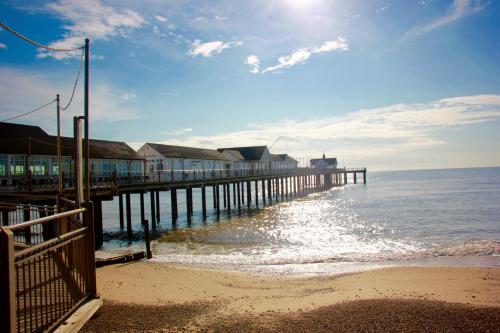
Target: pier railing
[47,269]
[114,179]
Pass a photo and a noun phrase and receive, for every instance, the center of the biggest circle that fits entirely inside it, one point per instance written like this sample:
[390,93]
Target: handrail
[44,219]
[60,239]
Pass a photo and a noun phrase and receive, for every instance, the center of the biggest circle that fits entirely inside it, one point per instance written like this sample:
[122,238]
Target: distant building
[177,163]
[25,147]
[283,163]
[257,159]
[237,163]
[322,163]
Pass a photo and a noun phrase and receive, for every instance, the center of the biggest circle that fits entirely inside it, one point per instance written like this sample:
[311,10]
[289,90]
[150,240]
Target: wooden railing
[46,273]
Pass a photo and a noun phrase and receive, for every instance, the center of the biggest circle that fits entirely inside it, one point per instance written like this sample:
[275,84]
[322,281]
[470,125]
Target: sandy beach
[146,296]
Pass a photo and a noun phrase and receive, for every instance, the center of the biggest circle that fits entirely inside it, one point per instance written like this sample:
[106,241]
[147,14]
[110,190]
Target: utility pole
[59,164]
[86,115]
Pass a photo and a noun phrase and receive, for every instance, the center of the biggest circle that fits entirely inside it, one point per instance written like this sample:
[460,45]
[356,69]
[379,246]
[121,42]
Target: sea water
[428,217]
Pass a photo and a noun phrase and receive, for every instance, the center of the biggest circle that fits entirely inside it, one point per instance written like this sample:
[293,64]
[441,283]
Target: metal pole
[86,115]
[59,164]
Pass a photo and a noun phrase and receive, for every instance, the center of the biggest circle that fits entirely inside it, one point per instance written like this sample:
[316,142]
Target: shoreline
[228,295]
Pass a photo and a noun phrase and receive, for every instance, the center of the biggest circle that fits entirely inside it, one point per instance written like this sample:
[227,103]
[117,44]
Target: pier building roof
[27,139]
[187,152]
[253,153]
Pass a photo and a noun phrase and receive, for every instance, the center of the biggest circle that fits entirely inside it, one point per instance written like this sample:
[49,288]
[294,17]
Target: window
[4,162]
[17,165]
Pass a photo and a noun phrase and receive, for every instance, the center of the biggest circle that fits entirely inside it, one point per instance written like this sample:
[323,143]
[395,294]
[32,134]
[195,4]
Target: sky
[385,85]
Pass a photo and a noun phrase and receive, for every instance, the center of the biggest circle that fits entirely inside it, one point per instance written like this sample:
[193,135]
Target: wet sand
[146,296]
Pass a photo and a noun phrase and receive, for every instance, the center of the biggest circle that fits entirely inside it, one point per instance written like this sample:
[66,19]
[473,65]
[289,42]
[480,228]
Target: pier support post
[228,192]
[355,178]
[345,178]
[269,191]
[364,177]
[152,204]
[234,193]
[128,210]
[282,190]
[173,203]
[243,192]
[204,202]
[239,195]
[141,202]
[249,193]
[120,210]
[157,209]
[213,196]
[224,195]
[263,185]
[188,204]
[256,192]
[217,201]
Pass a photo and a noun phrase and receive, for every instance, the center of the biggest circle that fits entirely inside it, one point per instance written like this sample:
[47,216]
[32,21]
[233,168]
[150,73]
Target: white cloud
[89,19]
[458,10]
[127,96]
[177,132]
[3,46]
[381,9]
[220,18]
[298,56]
[210,48]
[160,18]
[158,32]
[366,133]
[106,102]
[254,62]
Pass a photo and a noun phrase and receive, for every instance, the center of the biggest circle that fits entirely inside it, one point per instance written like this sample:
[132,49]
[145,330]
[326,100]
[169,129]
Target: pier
[236,192]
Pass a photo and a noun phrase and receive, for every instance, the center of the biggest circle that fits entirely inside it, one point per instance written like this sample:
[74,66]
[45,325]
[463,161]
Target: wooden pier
[228,193]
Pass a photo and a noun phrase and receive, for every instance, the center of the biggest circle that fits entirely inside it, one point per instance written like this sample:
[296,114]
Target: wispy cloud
[209,49]
[89,19]
[459,9]
[160,18]
[297,57]
[381,9]
[370,132]
[3,46]
[177,132]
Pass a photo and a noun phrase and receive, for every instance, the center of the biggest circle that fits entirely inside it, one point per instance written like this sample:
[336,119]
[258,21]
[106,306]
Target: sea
[439,217]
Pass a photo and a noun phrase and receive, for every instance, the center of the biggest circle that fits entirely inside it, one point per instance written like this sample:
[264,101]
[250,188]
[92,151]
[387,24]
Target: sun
[301,4]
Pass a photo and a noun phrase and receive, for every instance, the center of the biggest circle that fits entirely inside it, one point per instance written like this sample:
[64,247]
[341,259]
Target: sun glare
[301,4]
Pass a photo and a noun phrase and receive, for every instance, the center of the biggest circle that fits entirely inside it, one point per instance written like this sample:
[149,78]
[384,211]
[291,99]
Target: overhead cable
[76,83]
[36,43]
[29,112]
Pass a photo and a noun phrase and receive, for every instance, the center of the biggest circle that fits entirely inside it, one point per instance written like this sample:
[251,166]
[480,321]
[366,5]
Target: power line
[29,112]
[76,82]
[36,43]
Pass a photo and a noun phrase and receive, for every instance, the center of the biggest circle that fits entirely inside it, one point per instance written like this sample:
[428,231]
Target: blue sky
[383,84]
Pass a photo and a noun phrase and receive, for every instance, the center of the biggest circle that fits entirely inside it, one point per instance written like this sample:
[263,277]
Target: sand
[193,299]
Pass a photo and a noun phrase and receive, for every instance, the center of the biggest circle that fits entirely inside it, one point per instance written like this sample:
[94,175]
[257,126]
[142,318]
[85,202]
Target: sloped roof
[187,152]
[253,153]
[234,153]
[329,161]
[24,139]
[283,157]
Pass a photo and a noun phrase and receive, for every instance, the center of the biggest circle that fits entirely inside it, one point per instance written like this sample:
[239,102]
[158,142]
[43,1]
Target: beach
[151,296]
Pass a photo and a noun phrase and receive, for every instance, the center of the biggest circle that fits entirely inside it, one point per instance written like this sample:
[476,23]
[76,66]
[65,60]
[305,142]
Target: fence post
[7,282]
[88,220]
